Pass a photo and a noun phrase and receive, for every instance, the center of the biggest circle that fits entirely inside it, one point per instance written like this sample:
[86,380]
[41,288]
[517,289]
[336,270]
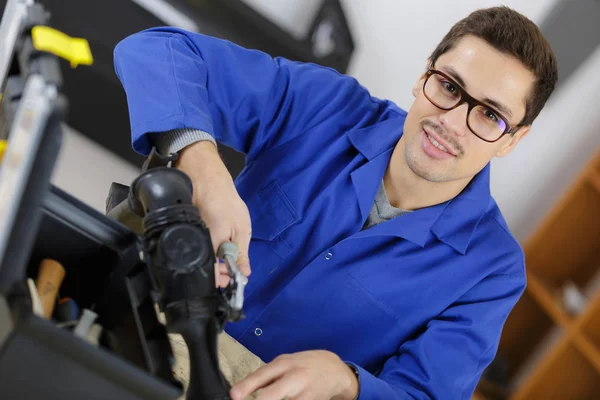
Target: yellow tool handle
[50,276]
[2,148]
[75,50]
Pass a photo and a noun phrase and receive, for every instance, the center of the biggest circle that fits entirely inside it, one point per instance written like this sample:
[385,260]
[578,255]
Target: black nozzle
[161,187]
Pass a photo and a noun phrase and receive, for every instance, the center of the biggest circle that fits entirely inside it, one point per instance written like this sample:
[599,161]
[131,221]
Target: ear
[418,86]
[514,139]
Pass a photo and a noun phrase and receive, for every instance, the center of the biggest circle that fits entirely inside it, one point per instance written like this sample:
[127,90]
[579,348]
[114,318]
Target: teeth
[436,143]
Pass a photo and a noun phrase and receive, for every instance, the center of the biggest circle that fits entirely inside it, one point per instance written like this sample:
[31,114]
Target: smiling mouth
[437,144]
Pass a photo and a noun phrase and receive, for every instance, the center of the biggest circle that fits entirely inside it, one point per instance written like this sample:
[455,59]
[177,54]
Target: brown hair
[512,33]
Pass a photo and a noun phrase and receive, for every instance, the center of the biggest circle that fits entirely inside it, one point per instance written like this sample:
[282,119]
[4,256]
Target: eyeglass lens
[483,121]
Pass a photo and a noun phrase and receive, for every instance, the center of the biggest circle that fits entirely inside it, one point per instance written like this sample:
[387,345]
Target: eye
[450,87]
[489,114]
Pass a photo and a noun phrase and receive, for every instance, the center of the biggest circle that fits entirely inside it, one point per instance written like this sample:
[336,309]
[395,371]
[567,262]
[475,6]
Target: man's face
[490,77]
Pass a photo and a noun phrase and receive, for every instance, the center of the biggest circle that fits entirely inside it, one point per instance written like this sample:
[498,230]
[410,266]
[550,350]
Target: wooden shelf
[594,179]
[551,305]
[589,326]
[478,396]
[585,346]
[553,352]
[565,375]
[595,167]
[515,347]
[567,247]
[490,391]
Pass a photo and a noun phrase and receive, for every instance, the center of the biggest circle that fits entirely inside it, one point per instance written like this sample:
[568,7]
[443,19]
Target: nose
[455,120]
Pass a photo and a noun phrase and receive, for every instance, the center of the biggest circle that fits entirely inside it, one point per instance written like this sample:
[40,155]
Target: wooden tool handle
[49,279]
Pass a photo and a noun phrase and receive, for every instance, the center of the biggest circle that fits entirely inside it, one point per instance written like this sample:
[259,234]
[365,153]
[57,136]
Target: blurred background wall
[393,39]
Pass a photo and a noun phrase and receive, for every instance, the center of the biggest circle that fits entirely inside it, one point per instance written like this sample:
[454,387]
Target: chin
[423,167]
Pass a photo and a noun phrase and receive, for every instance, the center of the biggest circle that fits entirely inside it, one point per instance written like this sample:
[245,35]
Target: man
[382,267]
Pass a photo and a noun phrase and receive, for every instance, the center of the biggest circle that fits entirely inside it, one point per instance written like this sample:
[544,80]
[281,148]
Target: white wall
[292,15]
[86,170]
[394,39]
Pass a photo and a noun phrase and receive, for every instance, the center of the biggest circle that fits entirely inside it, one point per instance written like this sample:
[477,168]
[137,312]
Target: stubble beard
[416,161]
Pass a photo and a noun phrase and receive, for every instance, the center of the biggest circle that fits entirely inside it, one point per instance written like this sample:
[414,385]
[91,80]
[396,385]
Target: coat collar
[452,222]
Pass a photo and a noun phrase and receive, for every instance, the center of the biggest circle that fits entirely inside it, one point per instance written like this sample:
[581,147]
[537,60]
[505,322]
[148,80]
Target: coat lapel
[452,222]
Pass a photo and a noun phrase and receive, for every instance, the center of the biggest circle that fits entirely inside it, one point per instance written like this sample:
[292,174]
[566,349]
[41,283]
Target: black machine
[176,248]
[151,251]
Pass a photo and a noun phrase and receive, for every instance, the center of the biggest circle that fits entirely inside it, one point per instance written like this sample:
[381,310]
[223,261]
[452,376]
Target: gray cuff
[175,140]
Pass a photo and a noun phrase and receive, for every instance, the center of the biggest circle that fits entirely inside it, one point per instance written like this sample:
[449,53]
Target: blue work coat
[418,302]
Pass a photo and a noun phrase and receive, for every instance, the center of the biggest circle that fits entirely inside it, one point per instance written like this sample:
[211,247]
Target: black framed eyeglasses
[485,122]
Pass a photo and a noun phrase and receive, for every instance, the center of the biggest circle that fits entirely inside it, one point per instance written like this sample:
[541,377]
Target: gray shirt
[382,210]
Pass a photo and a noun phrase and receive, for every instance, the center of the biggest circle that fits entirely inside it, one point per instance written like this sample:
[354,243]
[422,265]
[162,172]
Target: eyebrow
[453,73]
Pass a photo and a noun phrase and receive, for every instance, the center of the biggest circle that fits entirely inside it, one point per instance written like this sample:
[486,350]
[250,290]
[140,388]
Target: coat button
[258,331]
[328,256]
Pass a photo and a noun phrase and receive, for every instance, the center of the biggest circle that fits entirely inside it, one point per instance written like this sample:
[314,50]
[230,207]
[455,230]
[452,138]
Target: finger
[258,379]
[242,240]
[222,277]
[217,273]
[218,237]
[225,275]
[223,281]
[222,267]
[243,264]
[288,386]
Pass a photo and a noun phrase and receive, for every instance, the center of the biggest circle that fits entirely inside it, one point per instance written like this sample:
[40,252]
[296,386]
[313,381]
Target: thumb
[243,262]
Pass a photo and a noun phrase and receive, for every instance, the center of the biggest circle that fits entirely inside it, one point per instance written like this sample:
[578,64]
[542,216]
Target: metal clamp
[229,253]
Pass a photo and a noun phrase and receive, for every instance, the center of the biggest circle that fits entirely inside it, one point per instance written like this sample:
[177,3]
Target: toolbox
[38,358]
[41,360]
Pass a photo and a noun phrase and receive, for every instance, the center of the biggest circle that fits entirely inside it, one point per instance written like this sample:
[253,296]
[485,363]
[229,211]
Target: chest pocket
[271,214]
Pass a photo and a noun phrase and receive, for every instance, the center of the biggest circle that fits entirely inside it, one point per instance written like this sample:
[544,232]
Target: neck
[408,191]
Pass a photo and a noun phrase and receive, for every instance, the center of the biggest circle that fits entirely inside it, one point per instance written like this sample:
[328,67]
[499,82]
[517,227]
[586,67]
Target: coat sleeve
[244,98]
[447,359]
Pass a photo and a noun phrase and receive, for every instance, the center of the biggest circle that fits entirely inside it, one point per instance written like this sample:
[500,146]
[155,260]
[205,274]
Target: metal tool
[235,291]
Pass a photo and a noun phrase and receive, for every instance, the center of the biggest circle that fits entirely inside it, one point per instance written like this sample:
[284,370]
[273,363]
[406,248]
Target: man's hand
[309,375]
[219,203]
